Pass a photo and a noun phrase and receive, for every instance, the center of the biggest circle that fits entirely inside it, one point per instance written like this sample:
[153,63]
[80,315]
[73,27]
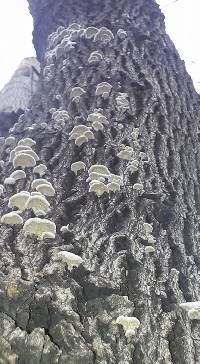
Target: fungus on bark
[37,204]
[46,189]
[77,166]
[71,259]
[12,218]
[37,226]
[26,142]
[24,160]
[40,169]
[19,200]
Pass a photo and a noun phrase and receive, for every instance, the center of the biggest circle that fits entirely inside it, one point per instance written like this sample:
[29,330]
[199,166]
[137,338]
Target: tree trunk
[48,313]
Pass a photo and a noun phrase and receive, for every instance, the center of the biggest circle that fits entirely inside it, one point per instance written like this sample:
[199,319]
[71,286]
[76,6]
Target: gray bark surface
[49,314]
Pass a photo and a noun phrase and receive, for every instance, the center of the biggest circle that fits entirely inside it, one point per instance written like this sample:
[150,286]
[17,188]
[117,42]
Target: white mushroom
[18,174]
[71,259]
[90,32]
[10,140]
[37,226]
[37,204]
[46,189]
[12,218]
[39,181]
[77,166]
[76,93]
[40,169]
[23,160]
[96,116]
[27,142]
[99,188]
[81,140]
[19,200]
[103,89]
[128,323]
[9,181]
[99,168]
[149,249]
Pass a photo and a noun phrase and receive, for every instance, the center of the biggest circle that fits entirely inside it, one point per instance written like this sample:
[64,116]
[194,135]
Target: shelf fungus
[103,89]
[24,160]
[37,204]
[76,93]
[19,200]
[90,32]
[12,218]
[78,166]
[126,153]
[39,181]
[99,188]
[26,142]
[37,226]
[149,249]
[96,116]
[95,57]
[103,35]
[40,169]
[46,189]
[128,323]
[72,260]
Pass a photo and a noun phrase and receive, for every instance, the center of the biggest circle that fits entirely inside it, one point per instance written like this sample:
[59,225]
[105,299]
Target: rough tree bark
[49,314]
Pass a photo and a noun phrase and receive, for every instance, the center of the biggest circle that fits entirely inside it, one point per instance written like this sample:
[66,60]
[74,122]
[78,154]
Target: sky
[15,36]
[182,25]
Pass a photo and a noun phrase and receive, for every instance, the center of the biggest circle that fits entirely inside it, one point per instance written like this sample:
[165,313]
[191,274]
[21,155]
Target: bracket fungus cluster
[60,116]
[81,134]
[23,156]
[101,180]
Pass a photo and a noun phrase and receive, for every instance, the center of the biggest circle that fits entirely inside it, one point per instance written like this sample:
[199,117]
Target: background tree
[48,313]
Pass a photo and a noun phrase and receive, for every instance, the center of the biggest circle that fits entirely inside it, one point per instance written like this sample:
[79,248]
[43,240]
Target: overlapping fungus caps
[37,226]
[95,56]
[97,116]
[126,153]
[18,174]
[103,89]
[24,160]
[39,181]
[46,189]
[38,204]
[26,142]
[76,92]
